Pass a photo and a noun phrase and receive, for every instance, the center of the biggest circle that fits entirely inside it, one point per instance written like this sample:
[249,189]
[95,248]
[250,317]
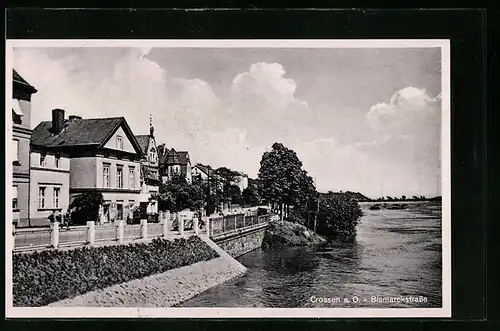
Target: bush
[86,207]
[289,235]
[41,278]
[338,215]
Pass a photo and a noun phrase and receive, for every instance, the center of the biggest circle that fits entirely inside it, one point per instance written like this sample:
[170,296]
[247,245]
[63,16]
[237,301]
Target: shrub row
[41,278]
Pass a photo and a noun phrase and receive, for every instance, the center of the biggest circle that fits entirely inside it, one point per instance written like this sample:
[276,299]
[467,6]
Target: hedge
[41,278]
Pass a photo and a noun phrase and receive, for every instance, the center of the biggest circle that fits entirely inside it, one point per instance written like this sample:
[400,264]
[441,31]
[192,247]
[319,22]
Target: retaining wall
[243,243]
[166,289]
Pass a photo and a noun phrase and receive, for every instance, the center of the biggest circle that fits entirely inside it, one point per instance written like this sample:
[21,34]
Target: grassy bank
[289,234]
[41,278]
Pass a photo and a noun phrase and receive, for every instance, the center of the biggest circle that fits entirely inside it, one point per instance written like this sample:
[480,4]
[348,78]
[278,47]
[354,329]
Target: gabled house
[201,171]
[149,176]
[20,148]
[172,161]
[103,154]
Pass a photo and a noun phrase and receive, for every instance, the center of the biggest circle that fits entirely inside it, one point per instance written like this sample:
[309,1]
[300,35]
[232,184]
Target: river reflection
[395,253]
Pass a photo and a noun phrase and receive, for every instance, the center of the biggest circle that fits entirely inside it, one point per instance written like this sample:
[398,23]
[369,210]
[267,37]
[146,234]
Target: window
[119,210]
[119,142]
[41,197]
[55,197]
[15,204]
[105,175]
[57,161]
[15,150]
[43,159]
[119,177]
[152,155]
[131,177]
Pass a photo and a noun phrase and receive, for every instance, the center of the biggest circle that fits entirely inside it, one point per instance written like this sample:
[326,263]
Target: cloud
[409,111]
[264,101]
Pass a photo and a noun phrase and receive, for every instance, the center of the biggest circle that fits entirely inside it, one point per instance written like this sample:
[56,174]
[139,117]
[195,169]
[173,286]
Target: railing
[90,234]
[230,223]
[35,238]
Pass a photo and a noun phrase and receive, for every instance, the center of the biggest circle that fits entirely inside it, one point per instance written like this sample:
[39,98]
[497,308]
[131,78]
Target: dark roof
[143,141]
[16,77]
[80,132]
[173,157]
[203,168]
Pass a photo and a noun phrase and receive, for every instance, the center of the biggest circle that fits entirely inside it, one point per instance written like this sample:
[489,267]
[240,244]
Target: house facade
[49,184]
[149,174]
[175,162]
[104,156]
[20,149]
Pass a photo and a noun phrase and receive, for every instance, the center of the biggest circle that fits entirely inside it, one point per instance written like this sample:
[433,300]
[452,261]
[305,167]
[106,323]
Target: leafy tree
[176,194]
[338,215]
[280,176]
[235,195]
[228,178]
[403,197]
[86,207]
[389,198]
[251,195]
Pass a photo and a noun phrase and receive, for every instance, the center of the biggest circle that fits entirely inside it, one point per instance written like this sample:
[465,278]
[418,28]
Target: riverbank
[163,290]
[290,234]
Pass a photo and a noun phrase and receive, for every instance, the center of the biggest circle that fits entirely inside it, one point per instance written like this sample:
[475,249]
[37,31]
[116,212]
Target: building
[149,175]
[104,156]
[241,181]
[20,148]
[172,162]
[200,171]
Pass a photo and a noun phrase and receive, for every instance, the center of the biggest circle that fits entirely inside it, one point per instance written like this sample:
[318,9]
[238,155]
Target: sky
[362,119]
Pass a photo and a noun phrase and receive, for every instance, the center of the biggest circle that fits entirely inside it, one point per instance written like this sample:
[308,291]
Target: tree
[176,194]
[280,176]
[389,198]
[403,197]
[338,215]
[229,179]
[251,195]
[86,207]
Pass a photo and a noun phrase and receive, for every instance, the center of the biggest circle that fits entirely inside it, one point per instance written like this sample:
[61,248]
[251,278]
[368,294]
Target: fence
[229,223]
[90,234]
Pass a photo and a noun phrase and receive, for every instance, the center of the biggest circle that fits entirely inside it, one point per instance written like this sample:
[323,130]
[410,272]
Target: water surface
[396,253]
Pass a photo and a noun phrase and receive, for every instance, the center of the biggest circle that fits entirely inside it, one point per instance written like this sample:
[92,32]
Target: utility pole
[317,206]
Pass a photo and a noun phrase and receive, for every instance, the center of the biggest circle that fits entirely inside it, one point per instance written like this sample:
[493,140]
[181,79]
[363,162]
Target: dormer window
[119,142]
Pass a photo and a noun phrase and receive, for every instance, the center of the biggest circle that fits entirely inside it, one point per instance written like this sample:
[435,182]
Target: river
[396,253]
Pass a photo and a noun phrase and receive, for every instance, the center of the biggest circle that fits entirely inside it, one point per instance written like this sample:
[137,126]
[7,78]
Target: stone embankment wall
[242,244]
[163,290]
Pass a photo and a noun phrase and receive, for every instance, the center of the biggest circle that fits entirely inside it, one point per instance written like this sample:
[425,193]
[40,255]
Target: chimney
[74,117]
[57,120]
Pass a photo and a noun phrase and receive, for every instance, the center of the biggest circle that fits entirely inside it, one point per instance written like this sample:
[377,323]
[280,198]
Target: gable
[112,142]
[152,151]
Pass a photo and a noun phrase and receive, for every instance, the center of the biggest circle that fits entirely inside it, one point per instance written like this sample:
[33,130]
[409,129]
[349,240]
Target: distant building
[172,162]
[241,181]
[205,172]
[20,148]
[104,156]
[201,171]
[150,176]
